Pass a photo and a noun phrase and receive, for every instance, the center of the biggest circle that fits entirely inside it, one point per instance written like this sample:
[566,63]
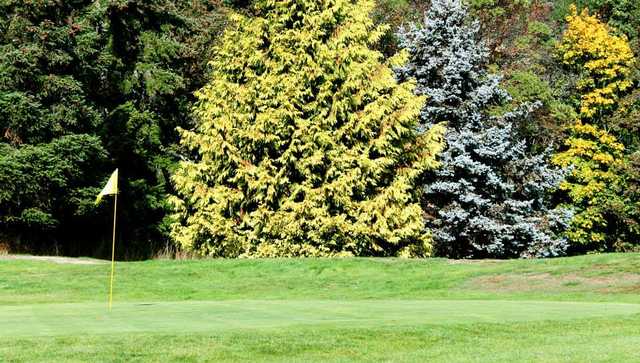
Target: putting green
[215,316]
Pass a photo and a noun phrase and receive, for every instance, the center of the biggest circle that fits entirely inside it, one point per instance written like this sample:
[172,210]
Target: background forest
[486,128]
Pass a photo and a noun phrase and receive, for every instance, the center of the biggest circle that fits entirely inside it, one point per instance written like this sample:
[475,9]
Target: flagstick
[113,249]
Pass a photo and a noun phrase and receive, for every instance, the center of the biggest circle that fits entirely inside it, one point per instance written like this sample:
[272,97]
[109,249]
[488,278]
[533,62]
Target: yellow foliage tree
[593,184]
[603,59]
[305,144]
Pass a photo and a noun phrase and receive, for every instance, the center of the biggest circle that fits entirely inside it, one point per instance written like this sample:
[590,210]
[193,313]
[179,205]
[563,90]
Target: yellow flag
[111,187]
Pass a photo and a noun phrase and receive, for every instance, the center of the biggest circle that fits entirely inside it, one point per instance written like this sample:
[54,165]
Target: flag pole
[113,249]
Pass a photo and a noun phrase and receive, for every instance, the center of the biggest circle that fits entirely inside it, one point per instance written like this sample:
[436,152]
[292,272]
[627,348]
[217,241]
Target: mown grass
[27,282]
[346,310]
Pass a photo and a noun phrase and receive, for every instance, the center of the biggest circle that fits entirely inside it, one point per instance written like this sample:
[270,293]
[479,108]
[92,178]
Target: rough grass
[561,310]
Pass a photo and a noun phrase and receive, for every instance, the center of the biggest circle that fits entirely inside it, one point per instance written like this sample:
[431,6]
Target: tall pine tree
[489,197]
[305,143]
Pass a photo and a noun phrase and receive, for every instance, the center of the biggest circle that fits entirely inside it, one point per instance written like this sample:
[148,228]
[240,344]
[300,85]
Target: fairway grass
[221,316]
[562,310]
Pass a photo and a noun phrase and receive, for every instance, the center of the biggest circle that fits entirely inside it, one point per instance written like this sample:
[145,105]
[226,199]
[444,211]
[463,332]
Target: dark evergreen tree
[489,199]
[88,77]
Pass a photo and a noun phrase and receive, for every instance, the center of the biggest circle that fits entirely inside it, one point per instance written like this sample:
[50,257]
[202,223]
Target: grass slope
[572,309]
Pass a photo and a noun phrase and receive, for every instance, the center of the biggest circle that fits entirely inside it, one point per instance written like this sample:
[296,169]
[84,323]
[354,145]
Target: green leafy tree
[624,121]
[46,186]
[305,144]
[502,22]
[118,76]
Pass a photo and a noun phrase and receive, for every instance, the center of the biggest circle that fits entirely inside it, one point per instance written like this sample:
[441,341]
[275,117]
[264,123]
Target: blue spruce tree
[490,197]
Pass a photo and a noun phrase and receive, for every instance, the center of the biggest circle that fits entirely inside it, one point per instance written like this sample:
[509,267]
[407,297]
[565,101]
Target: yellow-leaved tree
[595,157]
[305,144]
[603,60]
[593,185]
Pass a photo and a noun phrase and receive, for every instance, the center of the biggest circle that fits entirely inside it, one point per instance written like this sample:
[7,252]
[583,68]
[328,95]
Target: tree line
[321,128]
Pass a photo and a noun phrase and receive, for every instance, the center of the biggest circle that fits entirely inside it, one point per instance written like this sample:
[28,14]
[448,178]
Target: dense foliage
[604,61]
[489,197]
[300,143]
[305,143]
[606,213]
[594,185]
[622,15]
[86,86]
